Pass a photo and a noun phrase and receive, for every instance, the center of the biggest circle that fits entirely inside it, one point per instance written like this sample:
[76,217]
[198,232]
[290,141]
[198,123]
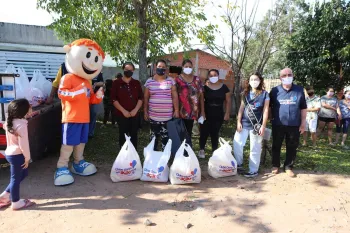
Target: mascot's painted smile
[87,70]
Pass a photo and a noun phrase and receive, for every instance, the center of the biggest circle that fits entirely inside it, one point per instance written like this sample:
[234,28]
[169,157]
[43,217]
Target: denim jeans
[239,142]
[17,175]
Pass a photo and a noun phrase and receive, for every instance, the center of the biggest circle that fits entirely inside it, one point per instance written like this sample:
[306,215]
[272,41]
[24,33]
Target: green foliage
[265,48]
[127,29]
[318,51]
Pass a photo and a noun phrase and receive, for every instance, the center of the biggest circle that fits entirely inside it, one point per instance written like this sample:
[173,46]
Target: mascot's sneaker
[63,177]
[83,168]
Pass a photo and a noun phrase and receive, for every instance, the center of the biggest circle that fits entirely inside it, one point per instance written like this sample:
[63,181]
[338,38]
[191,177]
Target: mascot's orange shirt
[76,95]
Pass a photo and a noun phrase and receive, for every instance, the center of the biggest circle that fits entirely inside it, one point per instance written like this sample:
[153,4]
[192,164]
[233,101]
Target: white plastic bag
[37,97]
[155,166]
[185,170]
[127,165]
[222,163]
[40,82]
[21,83]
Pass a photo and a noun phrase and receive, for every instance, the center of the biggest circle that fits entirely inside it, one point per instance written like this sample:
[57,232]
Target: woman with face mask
[215,95]
[251,121]
[328,113]
[127,98]
[161,103]
[191,99]
[343,111]
[313,106]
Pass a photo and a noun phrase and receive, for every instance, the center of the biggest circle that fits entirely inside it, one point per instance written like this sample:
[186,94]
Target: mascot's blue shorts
[75,133]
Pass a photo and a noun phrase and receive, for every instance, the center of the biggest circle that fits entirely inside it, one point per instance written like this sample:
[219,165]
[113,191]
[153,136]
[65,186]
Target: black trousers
[210,127]
[108,110]
[130,127]
[189,127]
[159,130]
[292,136]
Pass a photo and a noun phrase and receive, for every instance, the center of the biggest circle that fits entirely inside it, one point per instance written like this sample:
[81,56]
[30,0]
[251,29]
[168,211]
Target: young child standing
[17,153]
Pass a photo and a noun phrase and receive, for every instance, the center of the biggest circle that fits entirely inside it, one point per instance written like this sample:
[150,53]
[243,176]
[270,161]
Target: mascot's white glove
[99,93]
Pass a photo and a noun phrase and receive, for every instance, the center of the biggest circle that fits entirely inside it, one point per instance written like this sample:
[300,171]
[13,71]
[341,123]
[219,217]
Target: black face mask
[311,93]
[160,71]
[128,73]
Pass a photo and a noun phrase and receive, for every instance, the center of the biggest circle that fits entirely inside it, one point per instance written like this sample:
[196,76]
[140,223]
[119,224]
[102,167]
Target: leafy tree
[265,49]
[239,21]
[128,29]
[318,51]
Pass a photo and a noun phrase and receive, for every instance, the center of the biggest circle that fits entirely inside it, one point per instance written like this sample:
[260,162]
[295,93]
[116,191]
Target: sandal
[27,203]
[275,170]
[5,204]
[290,173]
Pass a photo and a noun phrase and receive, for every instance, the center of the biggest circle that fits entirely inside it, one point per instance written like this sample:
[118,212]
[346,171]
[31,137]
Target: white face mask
[330,93]
[287,80]
[187,70]
[254,84]
[214,79]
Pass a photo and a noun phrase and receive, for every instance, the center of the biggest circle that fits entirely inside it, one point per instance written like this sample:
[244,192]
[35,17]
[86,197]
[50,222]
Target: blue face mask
[160,71]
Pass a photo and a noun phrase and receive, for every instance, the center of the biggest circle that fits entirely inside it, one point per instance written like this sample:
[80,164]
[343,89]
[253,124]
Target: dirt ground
[309,203]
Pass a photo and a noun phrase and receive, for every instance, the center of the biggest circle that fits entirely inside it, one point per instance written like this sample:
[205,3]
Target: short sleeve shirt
[313,102]
[160,105]
[214,102]
[256,107]
[127,94]
[344,109]
[325,112]
[189,94]
[287,105]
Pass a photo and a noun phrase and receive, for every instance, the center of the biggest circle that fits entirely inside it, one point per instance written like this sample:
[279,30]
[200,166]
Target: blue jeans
[17,175]
[344,123]
[93,117]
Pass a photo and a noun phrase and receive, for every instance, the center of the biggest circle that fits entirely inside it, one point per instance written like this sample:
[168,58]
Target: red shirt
[127,94]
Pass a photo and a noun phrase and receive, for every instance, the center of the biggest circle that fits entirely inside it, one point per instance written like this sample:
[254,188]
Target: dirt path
[309,203]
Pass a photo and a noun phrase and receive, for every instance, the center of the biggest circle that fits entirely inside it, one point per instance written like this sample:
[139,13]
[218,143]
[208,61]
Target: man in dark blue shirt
[288,109]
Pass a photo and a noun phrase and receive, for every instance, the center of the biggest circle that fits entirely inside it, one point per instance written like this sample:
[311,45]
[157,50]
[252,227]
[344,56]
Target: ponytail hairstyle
[17,109]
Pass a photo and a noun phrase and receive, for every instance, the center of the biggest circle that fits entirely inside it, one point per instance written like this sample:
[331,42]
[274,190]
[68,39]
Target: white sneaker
[201,154]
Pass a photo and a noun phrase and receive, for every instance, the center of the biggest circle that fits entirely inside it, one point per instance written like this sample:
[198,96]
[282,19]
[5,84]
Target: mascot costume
[84,60]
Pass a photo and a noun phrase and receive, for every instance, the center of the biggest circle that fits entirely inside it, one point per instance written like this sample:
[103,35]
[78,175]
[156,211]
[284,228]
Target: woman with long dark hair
[215,95]
[160,103]
[191,99]
[251,121]
[127,98]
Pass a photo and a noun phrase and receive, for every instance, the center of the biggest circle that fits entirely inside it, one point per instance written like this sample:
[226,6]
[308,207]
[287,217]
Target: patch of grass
[104,148]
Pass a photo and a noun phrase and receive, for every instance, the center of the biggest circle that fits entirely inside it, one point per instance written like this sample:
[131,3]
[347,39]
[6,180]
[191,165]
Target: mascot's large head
[84,58]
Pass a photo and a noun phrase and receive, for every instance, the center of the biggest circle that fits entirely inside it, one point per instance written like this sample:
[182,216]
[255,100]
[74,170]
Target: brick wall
[206,62]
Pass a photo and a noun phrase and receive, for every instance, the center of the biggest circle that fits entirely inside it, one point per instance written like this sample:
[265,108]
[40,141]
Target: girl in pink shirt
[17,153]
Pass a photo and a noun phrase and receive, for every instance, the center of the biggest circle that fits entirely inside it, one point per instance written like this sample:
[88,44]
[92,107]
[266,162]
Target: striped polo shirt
[160,105]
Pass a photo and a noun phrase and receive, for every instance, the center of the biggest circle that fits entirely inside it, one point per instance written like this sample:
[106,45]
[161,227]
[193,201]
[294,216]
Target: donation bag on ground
[155,166]
[127,165]
[185,170]
[222,163]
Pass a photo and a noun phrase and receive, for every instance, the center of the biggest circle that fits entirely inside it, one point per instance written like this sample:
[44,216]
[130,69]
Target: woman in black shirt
[215,95]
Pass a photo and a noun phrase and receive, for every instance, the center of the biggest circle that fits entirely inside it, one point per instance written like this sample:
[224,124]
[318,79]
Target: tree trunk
[141,9]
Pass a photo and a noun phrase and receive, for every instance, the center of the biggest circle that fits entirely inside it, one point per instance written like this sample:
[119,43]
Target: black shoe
[240,168]
[251,174]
